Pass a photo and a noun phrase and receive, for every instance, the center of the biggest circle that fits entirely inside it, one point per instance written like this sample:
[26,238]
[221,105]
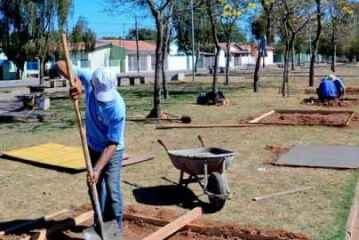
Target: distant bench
[131,79]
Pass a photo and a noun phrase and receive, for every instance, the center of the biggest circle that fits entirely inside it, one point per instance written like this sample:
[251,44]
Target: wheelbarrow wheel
[217,191]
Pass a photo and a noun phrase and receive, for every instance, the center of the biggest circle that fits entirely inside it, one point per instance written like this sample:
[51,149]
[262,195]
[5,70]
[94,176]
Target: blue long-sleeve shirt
[105,121]
[327,89]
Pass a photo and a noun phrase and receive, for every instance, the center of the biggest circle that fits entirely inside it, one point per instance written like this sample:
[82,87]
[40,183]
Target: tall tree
[232,10]
[81,33]
[340,13]
[214,12]
[318,32]
[28,28]
[258,31]
[294,17]
[144,34]
[159,10]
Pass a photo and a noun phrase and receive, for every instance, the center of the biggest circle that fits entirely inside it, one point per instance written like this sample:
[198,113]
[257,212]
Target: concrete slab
[321,156]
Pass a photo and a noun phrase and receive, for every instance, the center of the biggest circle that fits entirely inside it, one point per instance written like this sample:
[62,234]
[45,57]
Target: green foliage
[27,26]
[144,34]
[258,27]
[81,33]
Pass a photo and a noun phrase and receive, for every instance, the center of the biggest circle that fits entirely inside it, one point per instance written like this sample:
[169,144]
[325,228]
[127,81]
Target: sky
[104,22]
[116,23]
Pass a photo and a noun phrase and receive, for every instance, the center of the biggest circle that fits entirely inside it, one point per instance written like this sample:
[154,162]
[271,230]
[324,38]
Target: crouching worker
[339,85]
[105,127]
[327,90]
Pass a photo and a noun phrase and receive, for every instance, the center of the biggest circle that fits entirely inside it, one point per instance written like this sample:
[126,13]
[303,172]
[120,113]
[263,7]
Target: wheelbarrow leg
[181,178]
[226,185]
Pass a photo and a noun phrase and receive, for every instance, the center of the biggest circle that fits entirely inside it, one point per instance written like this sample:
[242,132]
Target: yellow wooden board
[51,154]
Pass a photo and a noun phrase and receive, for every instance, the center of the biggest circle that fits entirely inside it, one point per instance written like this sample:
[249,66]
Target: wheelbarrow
[206,166]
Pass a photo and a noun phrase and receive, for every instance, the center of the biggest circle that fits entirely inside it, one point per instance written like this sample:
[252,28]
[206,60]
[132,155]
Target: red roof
[234,48]
[130,45]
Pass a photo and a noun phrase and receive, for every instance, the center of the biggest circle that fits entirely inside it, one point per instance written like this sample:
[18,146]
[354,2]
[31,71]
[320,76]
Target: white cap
[104,84]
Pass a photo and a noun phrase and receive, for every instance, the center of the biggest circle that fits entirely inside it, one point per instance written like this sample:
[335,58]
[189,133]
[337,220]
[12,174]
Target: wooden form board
[176,225]
[61,156]
[184,126]
[256,120]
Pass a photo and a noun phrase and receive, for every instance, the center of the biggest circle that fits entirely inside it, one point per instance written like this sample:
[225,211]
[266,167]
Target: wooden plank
[281,193]
[30,223]
[40,235]
[350,118]
[135,160]
[171,126]
[176,225]
[158,222]
[84,217]
[256,120]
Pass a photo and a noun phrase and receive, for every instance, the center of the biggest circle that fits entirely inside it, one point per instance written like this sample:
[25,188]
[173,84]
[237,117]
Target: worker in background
[327,90]
[340,87]
[105,127]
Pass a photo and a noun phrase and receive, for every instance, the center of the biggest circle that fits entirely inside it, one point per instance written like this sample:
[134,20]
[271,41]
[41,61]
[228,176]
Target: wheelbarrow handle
[162,144]
[201,140]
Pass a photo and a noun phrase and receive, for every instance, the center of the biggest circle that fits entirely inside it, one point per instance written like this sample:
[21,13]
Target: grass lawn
[321,213]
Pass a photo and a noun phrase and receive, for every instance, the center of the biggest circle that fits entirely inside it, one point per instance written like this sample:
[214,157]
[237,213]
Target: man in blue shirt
[105,128]
[327,90]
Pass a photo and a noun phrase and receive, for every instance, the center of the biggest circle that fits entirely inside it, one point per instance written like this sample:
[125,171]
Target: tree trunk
[315,44]
[228,60]
[269,29]
[164,60]
[216,43]
[256,73]
[41,70]
[137,48]
[156,111]
[285,70]
[214,83]
[197,59]
[334,50]
[293,56]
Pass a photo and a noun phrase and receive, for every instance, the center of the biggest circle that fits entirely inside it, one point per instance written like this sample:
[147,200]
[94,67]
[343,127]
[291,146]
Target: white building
[243,55]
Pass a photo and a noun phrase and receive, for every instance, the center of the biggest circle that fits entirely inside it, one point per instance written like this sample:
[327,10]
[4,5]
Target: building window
[132,63]
[237,60]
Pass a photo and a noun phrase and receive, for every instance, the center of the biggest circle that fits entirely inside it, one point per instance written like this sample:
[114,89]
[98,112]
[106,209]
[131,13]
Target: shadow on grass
[169,195]
[24,226]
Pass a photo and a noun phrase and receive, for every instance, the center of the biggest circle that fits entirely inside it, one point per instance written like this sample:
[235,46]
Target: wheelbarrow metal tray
[192,161]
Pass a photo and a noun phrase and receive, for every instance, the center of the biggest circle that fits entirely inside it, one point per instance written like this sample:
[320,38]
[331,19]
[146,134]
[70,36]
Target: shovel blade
[109,231]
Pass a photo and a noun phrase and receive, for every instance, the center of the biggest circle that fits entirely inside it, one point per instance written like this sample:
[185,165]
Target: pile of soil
[307,119]
[345,102]
[352,90]
[277,151]
[139,227]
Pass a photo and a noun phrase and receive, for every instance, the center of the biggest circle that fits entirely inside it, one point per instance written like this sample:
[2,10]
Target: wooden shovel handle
[82,130]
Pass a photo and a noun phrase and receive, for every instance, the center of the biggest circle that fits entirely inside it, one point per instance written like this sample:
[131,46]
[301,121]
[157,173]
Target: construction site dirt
[307,119]
[140,221]
[342,103]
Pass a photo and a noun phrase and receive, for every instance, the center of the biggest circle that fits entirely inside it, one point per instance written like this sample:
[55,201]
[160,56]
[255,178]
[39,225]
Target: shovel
[103,231]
